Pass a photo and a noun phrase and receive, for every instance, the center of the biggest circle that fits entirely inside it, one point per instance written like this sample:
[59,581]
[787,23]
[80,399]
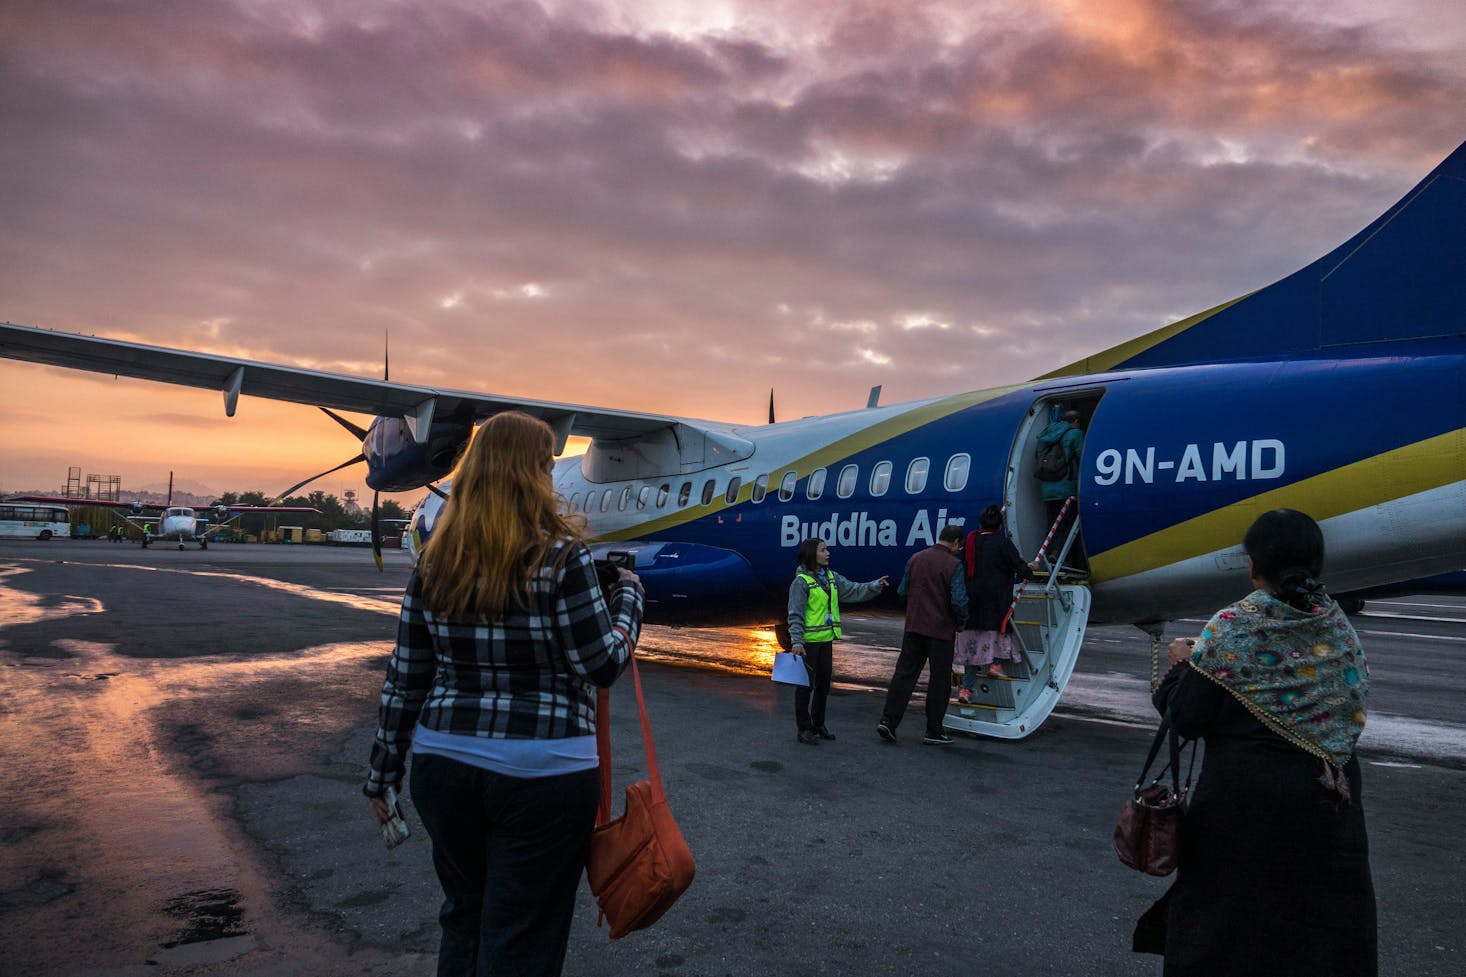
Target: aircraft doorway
[1027,516]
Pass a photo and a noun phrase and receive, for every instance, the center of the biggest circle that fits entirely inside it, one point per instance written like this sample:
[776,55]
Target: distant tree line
[333,513]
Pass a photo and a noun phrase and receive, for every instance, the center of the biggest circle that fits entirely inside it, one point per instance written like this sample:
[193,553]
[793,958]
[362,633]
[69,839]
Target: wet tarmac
[186,734]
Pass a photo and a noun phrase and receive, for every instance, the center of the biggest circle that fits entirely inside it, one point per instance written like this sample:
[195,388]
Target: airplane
[180,523]
[1339,390]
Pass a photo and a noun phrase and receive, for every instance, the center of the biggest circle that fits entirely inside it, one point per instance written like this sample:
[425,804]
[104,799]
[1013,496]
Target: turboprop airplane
[179,523]
[1339,390]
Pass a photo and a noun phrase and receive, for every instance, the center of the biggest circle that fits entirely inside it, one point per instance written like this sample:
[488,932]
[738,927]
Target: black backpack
[1053,466]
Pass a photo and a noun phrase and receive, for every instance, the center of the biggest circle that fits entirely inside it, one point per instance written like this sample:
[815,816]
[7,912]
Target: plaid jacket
[529,675]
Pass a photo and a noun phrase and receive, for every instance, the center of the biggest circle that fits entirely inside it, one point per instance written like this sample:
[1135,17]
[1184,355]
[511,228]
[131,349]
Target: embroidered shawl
[1301,673]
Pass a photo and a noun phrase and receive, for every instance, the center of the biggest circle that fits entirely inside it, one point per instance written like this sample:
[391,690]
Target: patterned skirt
[985,647]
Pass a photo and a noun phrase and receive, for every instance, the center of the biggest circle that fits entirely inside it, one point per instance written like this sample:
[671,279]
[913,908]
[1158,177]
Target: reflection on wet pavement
[109,812]
[18,607]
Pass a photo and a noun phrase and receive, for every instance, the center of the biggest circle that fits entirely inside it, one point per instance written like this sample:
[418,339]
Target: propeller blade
[771,405]
[386,354]
[355,429]
[345,464]
[377,530]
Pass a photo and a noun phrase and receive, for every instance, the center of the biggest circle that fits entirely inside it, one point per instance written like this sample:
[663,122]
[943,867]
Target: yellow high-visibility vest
[822,611]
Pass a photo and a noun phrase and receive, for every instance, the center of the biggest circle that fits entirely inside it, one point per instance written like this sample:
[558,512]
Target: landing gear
[1155,629]
[203,544]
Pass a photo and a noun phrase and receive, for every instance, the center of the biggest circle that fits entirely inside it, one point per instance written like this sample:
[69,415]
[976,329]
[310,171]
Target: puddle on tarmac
[19,607]
[208,914]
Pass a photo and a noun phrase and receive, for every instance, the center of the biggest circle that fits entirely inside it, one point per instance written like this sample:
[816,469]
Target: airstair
[1048,618]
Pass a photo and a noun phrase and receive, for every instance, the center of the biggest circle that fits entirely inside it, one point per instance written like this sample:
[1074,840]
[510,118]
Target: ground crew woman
[815,597]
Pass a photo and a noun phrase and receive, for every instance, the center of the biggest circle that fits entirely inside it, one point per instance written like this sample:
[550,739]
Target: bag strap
[1166,733]
[603,746]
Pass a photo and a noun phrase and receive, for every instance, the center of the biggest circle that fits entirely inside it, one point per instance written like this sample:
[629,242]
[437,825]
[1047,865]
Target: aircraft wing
[237,509]
[156,506]
[233,377]
[104,503]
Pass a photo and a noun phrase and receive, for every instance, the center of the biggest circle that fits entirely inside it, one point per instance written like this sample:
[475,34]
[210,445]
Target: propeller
[304,482]
[771,405]
[377,531]
[356,429]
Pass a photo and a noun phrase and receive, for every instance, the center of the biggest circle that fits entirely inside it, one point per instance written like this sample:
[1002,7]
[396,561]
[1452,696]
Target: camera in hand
[609,567]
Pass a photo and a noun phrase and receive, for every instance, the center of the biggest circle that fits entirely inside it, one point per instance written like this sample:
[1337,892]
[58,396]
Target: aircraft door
[1027,517]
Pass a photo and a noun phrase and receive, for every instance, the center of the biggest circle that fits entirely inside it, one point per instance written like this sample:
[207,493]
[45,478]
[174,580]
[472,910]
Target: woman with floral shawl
[1274,871]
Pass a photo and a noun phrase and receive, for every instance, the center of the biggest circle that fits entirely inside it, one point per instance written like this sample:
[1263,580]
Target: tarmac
[187,735]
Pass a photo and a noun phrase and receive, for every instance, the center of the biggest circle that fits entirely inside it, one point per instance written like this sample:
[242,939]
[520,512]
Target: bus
[33,520]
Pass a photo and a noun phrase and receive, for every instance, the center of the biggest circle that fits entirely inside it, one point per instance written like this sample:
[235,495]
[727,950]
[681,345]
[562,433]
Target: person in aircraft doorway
[992,564]
[1065,431]
[814,624]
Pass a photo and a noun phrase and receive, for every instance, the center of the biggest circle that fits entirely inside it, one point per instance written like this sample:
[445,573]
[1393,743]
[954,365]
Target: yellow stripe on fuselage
[824,457]
[1106,360]
[1406,470]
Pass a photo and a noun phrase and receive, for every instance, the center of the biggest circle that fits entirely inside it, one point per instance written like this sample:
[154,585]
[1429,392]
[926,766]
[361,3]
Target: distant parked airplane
[174,522]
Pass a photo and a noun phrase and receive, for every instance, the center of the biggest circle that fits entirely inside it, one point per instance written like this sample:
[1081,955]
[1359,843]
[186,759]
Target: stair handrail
[1041,557]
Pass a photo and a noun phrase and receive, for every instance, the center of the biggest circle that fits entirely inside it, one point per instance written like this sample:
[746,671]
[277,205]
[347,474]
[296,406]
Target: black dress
[996,564]
[1274,872]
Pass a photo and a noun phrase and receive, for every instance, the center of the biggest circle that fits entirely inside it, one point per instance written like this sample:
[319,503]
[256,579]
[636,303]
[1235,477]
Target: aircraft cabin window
[791,479]
[684,494]
[816,486]
[642,496]
[707,491]
[606,499]
[880,478]
[916,475]
[574,500]
[662,494]
[760,488]
[845,487]
[731,496]
[625,498]
[957,469]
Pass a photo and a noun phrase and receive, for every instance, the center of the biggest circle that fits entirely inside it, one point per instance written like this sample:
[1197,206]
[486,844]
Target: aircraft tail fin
[1399,283]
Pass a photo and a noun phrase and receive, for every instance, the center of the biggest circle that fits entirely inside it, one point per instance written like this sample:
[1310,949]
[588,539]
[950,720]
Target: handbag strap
[1167,733]
[603,745]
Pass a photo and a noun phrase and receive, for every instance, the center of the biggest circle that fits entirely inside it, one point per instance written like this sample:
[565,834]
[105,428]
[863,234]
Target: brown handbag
[1148,832]
[638,864]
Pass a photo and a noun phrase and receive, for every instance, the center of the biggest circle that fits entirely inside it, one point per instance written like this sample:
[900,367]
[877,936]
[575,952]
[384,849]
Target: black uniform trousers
[809,700]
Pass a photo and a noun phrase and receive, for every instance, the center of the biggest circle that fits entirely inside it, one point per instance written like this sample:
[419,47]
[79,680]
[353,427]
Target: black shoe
[940,739]
[823,732]
[808,738]
[886,731]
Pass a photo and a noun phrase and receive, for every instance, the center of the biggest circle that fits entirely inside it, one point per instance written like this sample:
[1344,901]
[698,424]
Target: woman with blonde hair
[503,638]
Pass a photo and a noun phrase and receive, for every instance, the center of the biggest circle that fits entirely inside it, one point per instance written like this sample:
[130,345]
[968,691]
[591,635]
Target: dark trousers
[509,853]
[809,700]
[917,650]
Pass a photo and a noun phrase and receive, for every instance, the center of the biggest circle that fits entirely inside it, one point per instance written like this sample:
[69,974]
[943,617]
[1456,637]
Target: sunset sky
[670,206]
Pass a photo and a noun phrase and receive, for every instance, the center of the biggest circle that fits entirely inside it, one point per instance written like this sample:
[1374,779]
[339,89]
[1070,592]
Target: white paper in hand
[790,670]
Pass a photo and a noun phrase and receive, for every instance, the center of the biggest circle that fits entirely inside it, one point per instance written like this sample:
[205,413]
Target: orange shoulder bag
[638,864]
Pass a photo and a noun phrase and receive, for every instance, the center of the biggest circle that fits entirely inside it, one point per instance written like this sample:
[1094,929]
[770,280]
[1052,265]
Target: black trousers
[809,700]
[918,650]
[509,853]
